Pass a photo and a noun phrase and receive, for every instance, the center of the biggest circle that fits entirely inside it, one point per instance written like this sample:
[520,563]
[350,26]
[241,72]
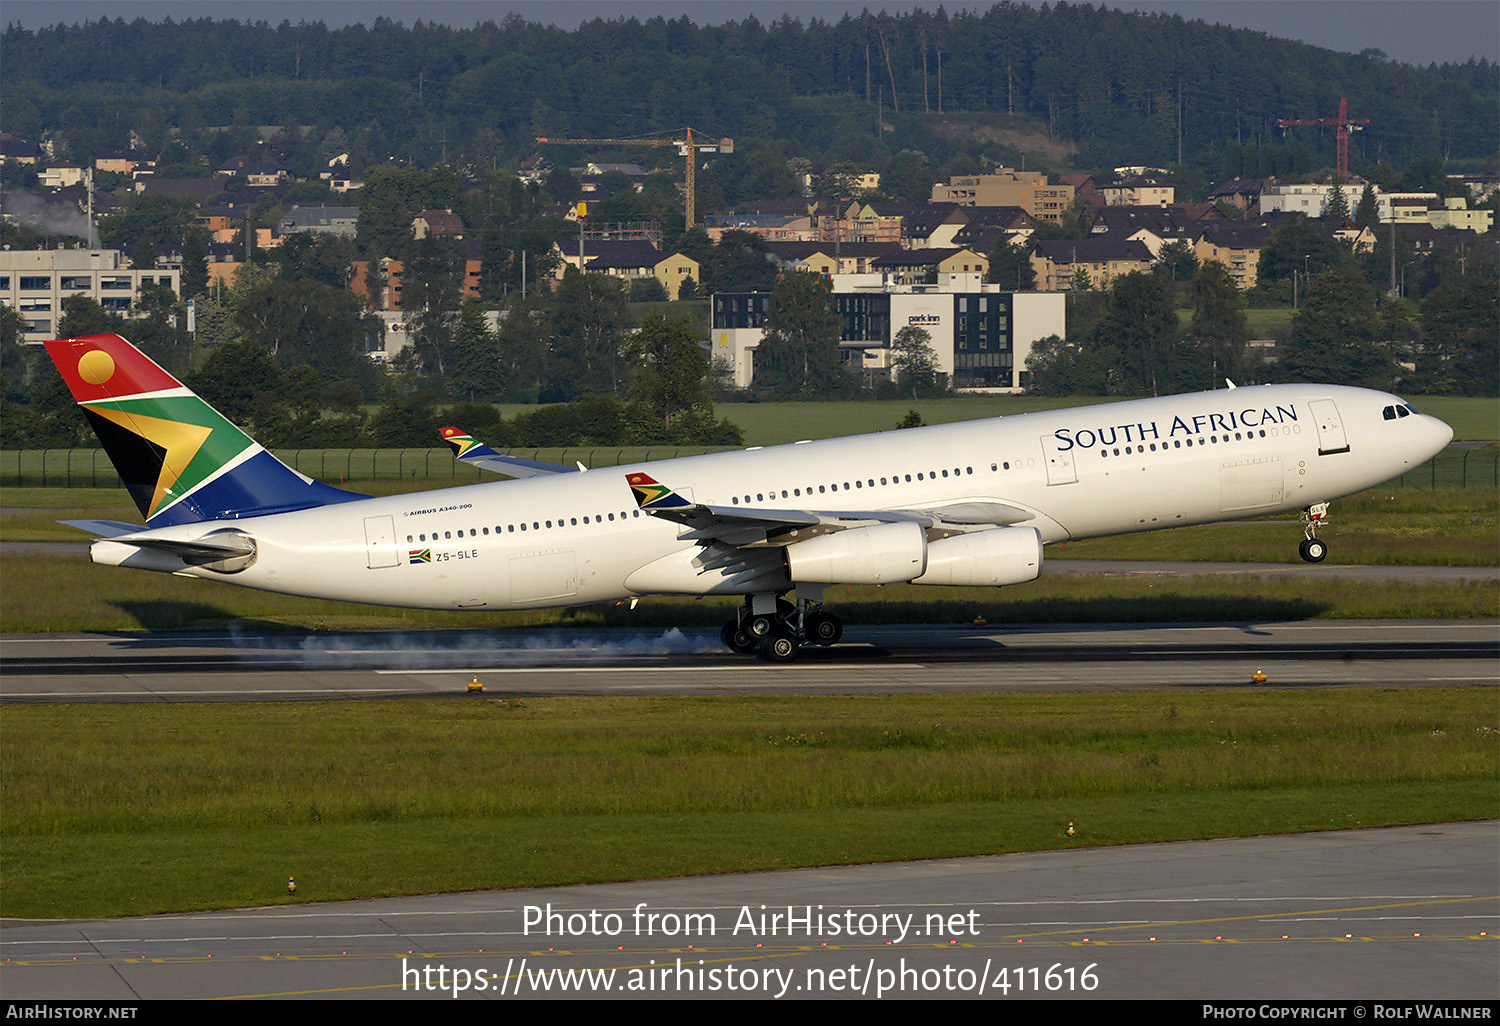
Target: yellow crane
[686,145]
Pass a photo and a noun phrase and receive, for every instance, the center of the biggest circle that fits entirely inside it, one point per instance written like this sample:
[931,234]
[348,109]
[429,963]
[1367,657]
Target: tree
[1141,335]
[1299,247]
[432,284]
[915,362]
[1335,335]
[739,262]
[588,319]
[1010,267]
[1060,367]
[1461,337]
[1367,214]
[524,341]
[671,369]
[194,263]
[303,322]
[1219,330]
[1178,261]
[798,356]
[1336,210]
[477,373]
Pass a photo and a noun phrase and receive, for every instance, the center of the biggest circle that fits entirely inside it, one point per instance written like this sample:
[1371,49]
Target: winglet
[651,494]
[467,449]
[465,445]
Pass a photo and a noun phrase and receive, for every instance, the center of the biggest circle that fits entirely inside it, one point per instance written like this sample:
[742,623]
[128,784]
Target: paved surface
[169,667]
[1408,913]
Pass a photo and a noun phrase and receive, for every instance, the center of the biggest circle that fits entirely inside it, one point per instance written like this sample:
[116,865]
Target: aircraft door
[1331,438]
[1060,466]
[380,542]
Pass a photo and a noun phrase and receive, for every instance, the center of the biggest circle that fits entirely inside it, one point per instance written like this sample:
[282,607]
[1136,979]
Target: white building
[1311,200]
[35,283]
[980,333]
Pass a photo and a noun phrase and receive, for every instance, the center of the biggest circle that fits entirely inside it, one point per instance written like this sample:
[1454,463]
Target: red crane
[1342,123]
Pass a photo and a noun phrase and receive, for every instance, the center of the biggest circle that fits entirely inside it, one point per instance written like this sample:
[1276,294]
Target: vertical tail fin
[181,461]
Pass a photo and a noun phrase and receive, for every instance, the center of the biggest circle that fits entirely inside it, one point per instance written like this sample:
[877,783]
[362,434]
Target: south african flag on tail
[181,461]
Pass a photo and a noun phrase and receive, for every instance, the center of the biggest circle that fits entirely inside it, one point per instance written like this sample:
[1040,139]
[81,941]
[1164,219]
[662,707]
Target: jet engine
[1002,555]
[880,554]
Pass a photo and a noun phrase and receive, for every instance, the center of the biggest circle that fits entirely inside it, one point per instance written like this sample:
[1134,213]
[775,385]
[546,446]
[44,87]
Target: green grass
[1381,526]
[216,805]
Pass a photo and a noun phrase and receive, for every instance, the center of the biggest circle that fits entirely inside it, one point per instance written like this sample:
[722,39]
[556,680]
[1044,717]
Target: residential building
[391,273]
[980,334]
[1103,258]
[325,220]
[630,260]
[1235,245]
[1455,213]
[35,283]
[1309,199]
[1028,190]
[921,266]
[1138,191]
[438,223]
[1242,193]
[60,177]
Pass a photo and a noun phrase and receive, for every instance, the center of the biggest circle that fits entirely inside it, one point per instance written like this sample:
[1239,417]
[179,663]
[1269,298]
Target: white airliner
[958,504]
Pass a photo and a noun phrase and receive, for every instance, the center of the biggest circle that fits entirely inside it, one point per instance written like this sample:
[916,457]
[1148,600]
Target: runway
[184,667]
[1401,914]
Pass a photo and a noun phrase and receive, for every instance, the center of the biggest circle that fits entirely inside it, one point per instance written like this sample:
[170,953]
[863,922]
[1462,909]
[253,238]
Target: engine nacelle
[881,554]
[1004,555]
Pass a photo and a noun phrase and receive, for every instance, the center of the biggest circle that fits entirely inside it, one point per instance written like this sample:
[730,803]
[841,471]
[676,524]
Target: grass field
[215,805]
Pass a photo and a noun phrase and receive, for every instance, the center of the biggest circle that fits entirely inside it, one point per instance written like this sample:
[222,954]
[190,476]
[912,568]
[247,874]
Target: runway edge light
[476,688]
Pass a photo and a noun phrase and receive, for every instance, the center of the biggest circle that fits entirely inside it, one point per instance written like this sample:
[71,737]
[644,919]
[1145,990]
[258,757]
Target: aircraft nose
[1437,434]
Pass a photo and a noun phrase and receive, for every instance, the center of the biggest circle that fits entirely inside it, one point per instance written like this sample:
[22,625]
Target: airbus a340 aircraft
[957,504]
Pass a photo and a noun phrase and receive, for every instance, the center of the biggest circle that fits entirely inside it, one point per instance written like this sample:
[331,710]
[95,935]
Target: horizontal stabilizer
[226,551]
[103,528]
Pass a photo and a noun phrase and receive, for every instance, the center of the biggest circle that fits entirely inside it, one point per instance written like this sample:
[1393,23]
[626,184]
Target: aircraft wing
[475,453]
[742,527]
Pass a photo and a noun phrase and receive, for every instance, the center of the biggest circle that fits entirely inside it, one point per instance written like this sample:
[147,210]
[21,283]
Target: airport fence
[90,468]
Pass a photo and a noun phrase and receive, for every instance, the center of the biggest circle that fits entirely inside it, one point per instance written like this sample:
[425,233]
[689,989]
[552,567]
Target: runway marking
[700,668]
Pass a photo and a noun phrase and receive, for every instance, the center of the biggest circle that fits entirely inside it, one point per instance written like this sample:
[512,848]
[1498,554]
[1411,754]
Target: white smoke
[47,218]
[447,650]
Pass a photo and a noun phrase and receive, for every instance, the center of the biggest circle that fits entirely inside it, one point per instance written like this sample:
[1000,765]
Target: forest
[1077,84]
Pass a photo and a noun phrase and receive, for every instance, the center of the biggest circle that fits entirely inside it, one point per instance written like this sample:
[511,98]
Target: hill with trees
[1069,83]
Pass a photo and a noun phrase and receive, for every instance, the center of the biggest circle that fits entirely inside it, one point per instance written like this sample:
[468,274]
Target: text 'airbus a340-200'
[968,504]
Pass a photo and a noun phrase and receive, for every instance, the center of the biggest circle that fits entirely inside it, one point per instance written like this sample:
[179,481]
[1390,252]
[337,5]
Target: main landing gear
[1312,550]
[778,636]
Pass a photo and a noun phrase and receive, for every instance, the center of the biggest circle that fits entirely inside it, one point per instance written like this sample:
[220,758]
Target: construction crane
[686,146]
[1344,126]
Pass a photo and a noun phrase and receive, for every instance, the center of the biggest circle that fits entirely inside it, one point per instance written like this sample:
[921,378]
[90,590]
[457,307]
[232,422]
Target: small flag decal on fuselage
[419,555]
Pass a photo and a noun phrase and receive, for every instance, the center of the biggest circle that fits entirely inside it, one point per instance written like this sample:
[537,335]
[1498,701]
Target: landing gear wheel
[824,629]
[779,648]
[1312,550]
[760,627]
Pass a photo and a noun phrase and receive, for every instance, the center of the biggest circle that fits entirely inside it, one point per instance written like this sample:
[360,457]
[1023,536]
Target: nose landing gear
[1312,550]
